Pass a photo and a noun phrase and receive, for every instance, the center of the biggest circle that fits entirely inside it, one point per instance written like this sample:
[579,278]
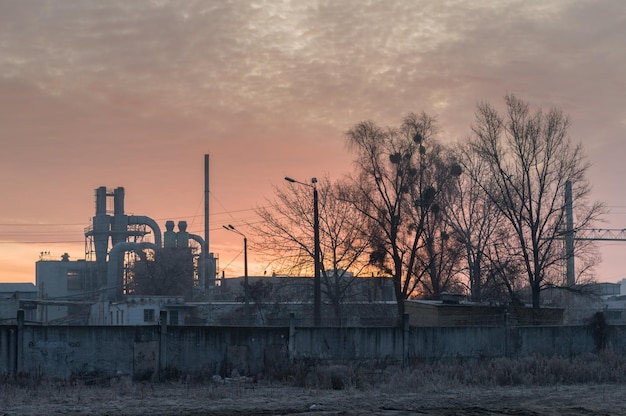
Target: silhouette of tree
[400,175]
[530,158]
[169,273]
[476,224]
[287,228]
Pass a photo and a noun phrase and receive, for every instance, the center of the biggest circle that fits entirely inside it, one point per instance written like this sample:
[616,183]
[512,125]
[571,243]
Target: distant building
[438,313]
[605,289]
[64,290]
[582,301]
[139,310]
[272,300]
[285,288]
[12,296]
[434,313]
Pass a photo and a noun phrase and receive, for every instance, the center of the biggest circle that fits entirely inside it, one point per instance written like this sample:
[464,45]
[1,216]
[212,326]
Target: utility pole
[569,235]
[317,286]
[245,270]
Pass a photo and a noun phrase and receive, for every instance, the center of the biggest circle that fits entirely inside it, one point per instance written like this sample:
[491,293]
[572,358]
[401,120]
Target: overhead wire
[39,224]
[13,235]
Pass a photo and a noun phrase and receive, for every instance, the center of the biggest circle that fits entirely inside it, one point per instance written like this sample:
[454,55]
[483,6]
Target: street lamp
[317,292]
[245,267]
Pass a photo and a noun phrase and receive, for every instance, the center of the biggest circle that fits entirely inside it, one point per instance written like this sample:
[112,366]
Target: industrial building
[132,272]
[116,248]
[12,297]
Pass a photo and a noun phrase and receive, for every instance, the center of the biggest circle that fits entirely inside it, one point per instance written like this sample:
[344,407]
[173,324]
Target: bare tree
[287,228]
[439,259]
[394,190]
[475,222]
[530,158]
[440,253]
[504,276]
[169,273]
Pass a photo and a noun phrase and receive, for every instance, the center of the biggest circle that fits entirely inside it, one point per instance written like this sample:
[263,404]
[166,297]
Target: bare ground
[123,397]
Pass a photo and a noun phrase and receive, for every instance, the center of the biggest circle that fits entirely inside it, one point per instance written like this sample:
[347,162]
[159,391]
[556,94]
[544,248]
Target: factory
[132,271]
[119,250]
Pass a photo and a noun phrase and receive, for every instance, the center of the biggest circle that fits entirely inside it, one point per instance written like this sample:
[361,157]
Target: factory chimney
[210,263]
[206,203]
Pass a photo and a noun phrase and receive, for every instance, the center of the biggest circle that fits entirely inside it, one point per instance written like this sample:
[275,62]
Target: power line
[83,224]
[40,225]
[42,242]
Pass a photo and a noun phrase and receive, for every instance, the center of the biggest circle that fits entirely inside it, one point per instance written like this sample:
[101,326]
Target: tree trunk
[397,284]
[536,293]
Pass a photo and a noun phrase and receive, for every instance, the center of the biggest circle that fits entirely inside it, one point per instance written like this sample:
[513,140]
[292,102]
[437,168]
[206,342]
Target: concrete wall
[148,352]
[349,344]
[449,342]
[81,351]
[220,350]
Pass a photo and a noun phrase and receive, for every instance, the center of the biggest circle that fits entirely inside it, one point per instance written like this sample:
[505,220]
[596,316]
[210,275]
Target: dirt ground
[126,398]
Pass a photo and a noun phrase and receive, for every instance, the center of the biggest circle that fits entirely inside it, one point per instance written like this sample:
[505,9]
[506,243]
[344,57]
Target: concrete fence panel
[220,350]
[456,342]
[82,351]
[159,351]
[349,344]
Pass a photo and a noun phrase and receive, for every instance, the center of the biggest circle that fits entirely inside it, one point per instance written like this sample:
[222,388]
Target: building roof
[17,287]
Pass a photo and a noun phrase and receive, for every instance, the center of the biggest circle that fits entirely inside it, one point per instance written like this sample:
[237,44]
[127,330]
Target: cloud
[96,92]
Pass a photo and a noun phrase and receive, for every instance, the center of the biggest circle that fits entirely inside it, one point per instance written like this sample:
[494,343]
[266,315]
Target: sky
[134,94]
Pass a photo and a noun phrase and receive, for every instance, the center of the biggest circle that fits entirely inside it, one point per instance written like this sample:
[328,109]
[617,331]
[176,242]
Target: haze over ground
[133,94]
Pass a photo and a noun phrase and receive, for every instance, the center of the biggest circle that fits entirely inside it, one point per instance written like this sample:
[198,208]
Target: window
[74,280]
[613,315]
[148,315]
[173,317]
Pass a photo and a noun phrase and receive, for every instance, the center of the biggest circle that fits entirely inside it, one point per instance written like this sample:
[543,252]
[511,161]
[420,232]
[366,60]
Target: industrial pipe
[114,285]
[202,270]
[143,220]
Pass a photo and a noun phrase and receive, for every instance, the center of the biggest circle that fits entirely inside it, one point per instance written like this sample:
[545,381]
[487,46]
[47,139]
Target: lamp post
[317,292]
[245,268]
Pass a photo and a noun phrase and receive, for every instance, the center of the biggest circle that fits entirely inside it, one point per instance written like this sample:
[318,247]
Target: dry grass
[524,385]
[601,368]
[492,383]
[606,367]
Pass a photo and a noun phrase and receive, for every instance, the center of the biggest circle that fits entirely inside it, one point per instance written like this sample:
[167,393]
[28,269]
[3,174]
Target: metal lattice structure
[601,234]
[570,234]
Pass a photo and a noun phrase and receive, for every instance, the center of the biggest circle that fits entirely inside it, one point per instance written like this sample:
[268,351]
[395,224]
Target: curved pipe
[114,286]
[198,240]
[202,268]
[141,219]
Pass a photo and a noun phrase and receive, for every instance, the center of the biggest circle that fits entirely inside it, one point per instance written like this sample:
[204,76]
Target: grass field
[585,385]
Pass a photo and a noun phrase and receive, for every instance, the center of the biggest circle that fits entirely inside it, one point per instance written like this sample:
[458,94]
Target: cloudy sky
[133,94]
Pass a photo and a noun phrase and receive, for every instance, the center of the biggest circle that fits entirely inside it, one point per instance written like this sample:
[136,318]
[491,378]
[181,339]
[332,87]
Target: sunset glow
[133,94]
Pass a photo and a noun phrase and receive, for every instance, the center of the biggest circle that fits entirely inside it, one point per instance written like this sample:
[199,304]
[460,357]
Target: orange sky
[133,94]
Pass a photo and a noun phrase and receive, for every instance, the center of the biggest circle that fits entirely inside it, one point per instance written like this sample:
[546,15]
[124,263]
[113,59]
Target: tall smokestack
[206,203]
[209,262]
